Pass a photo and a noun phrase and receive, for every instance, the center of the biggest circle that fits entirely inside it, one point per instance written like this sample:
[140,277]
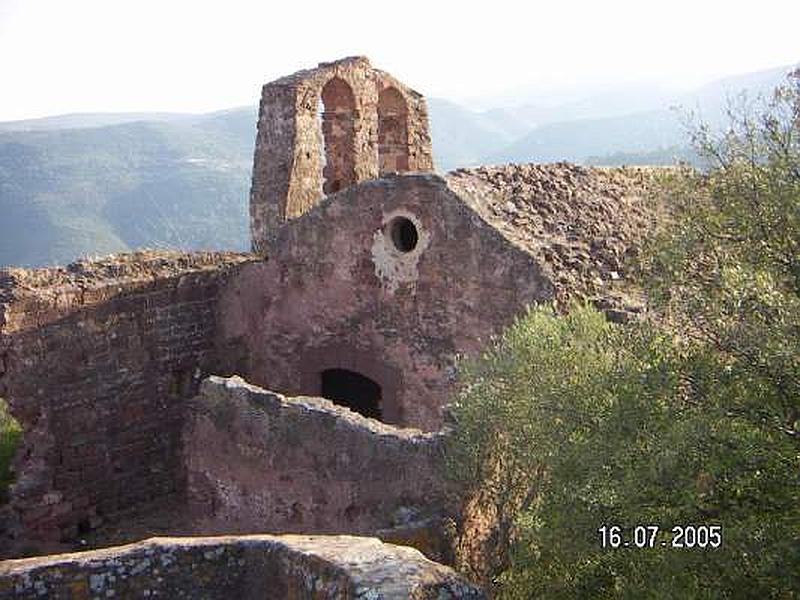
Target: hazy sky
[59,56]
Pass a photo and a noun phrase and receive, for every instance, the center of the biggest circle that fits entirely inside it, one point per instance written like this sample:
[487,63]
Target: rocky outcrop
[245,568]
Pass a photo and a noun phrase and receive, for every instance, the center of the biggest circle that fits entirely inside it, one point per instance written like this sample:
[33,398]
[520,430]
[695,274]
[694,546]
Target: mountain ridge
[98,183]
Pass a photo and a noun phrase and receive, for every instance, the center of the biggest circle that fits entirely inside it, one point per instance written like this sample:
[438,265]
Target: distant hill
[71,192]
[638,132]
[660,157]
[462,138]
[588,103]
[84,120]
[577,140]
[86,184]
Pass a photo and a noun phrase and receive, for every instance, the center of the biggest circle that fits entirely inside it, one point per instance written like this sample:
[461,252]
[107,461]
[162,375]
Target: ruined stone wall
[585,225]
[247,568]
[349,298]
[371,124]
[95,362]
[258,461]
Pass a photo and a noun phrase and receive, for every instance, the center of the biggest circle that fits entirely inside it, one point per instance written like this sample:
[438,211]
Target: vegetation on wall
[10,436]
[569,427]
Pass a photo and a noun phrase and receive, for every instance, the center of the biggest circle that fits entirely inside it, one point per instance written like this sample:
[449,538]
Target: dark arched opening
[353,390]
[338,133]
[392,132]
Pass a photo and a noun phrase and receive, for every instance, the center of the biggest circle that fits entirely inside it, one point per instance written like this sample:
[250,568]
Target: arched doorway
[338,133]
[353,390]
[392,132]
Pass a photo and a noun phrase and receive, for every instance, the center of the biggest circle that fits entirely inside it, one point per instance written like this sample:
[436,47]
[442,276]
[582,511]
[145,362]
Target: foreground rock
[257,566]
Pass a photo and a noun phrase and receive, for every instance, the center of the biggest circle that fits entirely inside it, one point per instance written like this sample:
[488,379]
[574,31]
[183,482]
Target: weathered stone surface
[248,567]
[31,298]
[258,461]
[97,358]
[371,124]
[337,293]
[582,224]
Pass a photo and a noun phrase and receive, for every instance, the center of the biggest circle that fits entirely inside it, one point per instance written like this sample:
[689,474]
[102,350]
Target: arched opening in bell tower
[392,132]
[338,133]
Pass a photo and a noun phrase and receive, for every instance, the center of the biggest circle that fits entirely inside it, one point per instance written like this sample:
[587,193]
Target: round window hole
[403,233]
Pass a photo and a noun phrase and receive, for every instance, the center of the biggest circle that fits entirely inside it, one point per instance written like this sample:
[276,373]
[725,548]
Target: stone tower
[325,129]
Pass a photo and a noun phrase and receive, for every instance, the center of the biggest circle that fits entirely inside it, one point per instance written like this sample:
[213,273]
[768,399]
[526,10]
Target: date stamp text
[683,537]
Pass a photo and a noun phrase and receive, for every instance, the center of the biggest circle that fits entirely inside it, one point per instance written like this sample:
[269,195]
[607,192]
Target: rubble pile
[584,224]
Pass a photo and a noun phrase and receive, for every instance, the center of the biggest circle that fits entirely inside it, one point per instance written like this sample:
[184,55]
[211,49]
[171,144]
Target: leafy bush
[570,423]
[10,436]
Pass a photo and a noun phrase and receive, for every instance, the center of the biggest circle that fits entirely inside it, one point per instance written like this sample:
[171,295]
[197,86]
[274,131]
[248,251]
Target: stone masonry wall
[350,299]
[95,362]
[258,461]
[246,568]
[372,124]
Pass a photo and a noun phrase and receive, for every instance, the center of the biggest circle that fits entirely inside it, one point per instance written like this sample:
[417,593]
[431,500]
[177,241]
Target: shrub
[567,424]
[10,436]
[571,423]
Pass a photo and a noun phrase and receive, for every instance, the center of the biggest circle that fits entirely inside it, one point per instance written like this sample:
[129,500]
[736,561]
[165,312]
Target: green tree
[569,423]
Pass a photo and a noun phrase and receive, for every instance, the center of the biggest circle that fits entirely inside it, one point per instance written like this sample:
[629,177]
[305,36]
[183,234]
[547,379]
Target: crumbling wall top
[36,296]
[347,67]
[582,224]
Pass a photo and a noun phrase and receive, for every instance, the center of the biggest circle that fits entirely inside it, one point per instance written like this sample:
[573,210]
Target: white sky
[60,56]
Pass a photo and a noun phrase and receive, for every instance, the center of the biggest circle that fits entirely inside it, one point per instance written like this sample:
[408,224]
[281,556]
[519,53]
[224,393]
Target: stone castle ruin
[141,380]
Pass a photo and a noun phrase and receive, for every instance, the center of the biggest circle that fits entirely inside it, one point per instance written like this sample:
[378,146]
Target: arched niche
[339,369]
[392,132]
[338,107]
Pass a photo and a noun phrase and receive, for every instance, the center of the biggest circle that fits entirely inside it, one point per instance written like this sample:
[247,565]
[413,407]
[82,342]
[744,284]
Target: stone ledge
[35,297]
[242,567]
[256,460]
[218,391]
